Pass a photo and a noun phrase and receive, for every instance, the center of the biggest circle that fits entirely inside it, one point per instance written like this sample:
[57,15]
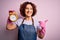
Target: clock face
[13,18]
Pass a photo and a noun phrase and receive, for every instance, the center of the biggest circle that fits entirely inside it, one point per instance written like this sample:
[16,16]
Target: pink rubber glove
[43,30]
[43,24]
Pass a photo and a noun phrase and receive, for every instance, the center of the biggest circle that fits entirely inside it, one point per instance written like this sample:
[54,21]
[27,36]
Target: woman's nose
[28,9]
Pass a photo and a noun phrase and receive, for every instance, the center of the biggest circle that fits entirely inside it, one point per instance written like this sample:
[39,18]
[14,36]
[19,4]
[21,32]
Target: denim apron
[27,32]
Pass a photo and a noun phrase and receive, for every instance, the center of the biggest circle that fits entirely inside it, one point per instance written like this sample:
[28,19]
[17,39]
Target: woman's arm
[41,33]
[10,25]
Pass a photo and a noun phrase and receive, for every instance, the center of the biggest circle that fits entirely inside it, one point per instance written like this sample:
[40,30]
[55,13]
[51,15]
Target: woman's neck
[28,18]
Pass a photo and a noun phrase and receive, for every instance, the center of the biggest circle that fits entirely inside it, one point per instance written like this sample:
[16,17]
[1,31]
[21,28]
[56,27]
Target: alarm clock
[13,16]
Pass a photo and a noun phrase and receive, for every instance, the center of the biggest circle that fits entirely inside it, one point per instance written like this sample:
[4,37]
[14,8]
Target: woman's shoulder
[19,21]
[36,22]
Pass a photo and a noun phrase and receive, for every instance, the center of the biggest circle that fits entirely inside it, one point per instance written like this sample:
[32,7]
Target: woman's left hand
[42,31]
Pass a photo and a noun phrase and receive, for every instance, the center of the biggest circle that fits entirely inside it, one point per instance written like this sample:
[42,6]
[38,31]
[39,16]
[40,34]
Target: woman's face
[28,10]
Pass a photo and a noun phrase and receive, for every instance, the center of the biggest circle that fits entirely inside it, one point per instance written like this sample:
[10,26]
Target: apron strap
[23,21]
[32,21]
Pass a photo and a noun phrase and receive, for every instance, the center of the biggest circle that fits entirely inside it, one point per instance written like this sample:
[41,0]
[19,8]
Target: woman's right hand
[10,24]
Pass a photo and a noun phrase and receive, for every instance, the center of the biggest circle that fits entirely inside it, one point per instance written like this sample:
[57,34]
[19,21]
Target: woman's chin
[28,16]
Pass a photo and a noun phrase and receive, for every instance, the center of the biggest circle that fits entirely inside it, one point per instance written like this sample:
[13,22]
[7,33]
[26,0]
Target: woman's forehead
[29,5]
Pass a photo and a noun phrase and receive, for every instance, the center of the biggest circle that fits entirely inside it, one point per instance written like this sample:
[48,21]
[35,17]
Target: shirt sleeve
[18,22]
[37,25]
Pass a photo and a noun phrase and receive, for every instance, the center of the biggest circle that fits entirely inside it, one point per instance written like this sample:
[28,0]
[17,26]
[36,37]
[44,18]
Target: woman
[28,28]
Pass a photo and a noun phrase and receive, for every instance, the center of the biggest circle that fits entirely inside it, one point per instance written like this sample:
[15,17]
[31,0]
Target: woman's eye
[27,8]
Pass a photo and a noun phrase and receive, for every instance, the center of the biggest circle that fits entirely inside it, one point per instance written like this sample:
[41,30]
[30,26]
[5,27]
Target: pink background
[46,9]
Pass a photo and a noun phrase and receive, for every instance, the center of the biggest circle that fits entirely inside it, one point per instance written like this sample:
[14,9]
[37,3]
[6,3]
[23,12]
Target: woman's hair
[23,6]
